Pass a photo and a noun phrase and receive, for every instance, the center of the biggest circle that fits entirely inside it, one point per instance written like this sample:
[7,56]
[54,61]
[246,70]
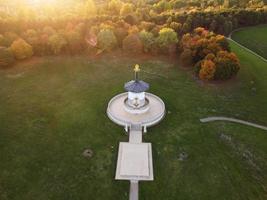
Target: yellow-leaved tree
[89,8]
[21,49]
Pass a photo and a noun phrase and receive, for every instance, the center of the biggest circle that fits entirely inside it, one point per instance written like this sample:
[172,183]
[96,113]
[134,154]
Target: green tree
[162,6]
[57,42]
[106,39]
[132,44]
[167,36]
[147,39]
[6,57]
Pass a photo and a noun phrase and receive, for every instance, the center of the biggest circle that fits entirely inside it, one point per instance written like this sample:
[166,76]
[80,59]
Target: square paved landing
[134,162]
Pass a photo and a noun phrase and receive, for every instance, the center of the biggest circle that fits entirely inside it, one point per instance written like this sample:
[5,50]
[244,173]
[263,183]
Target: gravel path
[210,119]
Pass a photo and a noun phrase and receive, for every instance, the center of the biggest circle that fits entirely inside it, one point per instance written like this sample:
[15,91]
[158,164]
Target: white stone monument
[135,110]
[136,102]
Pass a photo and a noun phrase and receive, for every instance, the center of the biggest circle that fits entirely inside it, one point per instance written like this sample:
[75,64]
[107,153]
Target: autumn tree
[207,70]
[114,6]
[6,57]
[89,8]
[57,43]
[126,9]
[21,49]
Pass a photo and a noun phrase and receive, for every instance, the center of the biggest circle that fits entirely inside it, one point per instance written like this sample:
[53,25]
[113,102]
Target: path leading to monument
[133,190]
[135,136]
[210,119]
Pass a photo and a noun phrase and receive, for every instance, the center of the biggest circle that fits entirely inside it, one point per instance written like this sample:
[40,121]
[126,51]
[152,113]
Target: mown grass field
[51,109]
[254,38]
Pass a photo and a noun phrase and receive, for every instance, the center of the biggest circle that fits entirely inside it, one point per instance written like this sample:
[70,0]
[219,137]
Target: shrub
[132,44]
[203,42]
[106,39]
[57,43]
[221,66]
[147,39]
[6,57]
[21,49]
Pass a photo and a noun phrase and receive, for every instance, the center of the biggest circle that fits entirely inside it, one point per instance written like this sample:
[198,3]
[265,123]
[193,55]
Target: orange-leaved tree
[207,70]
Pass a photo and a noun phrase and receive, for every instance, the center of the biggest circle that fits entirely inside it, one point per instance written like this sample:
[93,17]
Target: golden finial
[136,68]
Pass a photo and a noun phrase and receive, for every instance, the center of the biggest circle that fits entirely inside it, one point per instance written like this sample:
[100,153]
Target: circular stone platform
[117,113]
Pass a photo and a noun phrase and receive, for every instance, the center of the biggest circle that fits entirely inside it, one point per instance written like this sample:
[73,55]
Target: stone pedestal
[134,162]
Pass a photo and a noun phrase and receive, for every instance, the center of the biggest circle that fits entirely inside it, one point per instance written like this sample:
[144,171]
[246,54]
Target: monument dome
[136,102]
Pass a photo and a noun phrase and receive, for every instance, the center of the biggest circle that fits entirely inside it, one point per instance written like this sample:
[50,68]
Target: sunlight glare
[42,2]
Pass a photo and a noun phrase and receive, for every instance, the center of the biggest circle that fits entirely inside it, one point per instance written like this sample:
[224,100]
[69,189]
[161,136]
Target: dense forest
[137,26]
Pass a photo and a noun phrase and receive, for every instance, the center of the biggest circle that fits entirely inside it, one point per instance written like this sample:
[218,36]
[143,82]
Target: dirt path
[210,119]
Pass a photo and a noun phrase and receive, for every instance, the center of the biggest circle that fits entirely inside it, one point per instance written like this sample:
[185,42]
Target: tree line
[156,27]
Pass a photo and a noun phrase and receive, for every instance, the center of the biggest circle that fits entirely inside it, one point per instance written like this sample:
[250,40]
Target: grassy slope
[254,38]
[57,108]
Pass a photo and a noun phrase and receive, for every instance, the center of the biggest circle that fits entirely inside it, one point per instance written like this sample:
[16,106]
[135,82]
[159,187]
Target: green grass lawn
[254,38]
[51,109]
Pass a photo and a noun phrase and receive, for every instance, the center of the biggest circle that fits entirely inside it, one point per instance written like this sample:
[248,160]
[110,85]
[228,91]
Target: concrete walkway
[133,190]
[135,136]
[210,119]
